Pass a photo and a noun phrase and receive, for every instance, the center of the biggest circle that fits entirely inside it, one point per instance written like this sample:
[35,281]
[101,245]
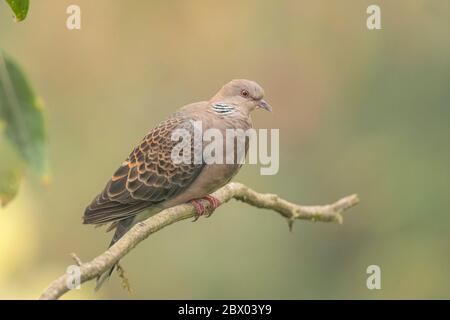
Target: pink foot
[213,202]
[200,208]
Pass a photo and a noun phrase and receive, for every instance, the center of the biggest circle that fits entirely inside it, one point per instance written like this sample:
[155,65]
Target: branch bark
[290,211]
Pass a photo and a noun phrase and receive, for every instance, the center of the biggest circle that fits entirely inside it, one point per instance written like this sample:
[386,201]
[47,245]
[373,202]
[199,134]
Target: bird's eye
[244,93]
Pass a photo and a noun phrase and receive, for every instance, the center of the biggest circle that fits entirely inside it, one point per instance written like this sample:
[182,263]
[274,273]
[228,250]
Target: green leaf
[19,7]
[21,112]
[11,172]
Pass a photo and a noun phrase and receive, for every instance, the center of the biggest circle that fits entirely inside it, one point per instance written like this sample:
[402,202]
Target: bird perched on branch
[149,180]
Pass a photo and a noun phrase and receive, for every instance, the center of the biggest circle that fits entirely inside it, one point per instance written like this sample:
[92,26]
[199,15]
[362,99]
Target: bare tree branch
[90,270]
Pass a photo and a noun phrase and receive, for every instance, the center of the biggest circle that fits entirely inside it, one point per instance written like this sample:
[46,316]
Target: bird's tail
[122,227]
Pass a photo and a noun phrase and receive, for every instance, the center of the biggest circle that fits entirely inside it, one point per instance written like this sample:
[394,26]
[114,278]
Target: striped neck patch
[221,108]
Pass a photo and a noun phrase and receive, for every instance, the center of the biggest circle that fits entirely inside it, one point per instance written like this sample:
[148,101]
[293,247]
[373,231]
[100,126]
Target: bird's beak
[264,105]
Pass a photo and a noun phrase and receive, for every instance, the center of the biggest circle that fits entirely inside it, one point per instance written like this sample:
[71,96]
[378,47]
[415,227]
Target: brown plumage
[149,179]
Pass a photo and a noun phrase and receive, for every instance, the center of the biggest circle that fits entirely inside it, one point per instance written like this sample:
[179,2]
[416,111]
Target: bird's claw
[200,208]
[214,204]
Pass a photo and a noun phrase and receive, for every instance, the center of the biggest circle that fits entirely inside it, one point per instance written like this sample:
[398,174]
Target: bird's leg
[199,208]
[214,203]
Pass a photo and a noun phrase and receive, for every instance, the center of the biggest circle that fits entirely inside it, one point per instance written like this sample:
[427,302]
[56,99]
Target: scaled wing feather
[147,177]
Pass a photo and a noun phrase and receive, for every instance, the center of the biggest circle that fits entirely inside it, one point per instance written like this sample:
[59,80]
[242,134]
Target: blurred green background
[359,111]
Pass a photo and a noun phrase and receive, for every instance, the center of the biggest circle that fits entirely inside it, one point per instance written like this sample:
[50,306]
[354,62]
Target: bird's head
[246,95]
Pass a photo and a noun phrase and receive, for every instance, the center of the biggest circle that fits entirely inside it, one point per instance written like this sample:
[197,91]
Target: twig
[76,259]
[90,270]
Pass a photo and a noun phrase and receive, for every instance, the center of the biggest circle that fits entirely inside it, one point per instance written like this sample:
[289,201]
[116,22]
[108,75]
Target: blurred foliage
[21,116]
[19,7]
[358,111]
[11,171]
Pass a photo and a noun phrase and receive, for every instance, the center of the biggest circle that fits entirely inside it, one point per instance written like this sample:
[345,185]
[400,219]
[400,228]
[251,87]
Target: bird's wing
[147,177]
